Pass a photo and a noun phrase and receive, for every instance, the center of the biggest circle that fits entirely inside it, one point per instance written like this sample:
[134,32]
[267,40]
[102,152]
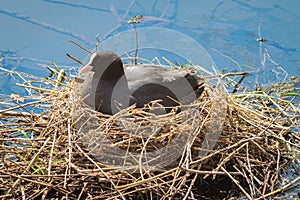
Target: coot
[110,87]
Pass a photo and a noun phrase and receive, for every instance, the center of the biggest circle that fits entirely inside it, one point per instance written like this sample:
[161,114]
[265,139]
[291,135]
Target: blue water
[37,32]
[206,33]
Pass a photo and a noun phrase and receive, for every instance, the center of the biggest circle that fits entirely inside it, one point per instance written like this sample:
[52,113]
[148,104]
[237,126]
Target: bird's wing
[148,83]
[141,74]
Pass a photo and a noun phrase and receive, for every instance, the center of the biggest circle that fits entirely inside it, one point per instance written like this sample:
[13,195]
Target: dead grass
[70,151]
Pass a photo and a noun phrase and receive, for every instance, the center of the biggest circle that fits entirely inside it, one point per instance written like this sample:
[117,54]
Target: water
[38,33]
[219,33]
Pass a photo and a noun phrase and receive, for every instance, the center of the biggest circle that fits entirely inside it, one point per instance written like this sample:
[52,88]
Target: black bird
[110,87]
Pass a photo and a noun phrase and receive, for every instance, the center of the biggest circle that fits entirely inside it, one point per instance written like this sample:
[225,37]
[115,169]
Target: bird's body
[110,86]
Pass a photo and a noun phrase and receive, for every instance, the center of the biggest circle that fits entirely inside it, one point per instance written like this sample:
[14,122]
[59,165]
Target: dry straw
[44,153]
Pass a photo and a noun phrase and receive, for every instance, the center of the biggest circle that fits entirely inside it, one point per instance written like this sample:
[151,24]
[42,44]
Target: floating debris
[261,40]
[135,19]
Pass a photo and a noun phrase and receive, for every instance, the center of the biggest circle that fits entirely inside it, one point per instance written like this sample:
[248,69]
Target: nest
[221,146]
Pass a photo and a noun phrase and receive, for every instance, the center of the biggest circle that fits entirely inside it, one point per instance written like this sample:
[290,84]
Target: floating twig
[80,46]
[75,59]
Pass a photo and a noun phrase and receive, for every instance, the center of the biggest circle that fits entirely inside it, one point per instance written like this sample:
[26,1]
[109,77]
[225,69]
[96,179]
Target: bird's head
[107,65]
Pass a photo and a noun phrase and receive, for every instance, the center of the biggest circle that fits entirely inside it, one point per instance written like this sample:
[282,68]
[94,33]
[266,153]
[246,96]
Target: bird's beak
[85,69]
[88,67]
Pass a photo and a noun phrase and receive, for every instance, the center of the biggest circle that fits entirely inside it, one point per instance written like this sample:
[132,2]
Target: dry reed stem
[253,147]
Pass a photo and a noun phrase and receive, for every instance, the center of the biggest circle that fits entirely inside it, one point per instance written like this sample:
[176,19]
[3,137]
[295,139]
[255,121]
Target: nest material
[70,151]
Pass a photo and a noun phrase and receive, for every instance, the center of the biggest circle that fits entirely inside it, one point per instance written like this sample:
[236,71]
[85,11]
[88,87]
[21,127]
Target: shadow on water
[160,19]
[148,18]
[77,5]
[46,25]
